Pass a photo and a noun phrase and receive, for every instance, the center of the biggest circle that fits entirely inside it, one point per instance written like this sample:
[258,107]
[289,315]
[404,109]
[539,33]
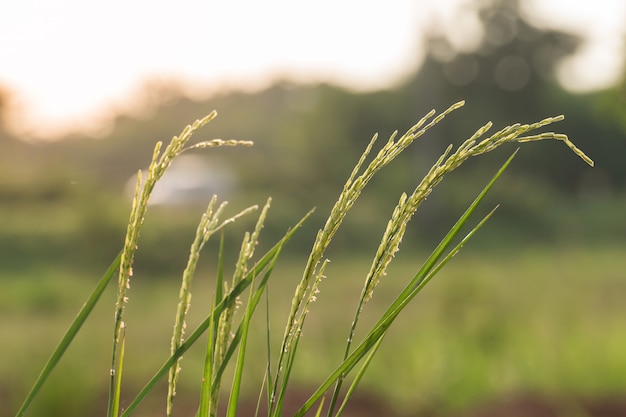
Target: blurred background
[529,318]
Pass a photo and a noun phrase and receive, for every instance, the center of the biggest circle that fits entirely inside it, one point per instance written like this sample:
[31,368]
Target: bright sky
[67,60]
[600,61]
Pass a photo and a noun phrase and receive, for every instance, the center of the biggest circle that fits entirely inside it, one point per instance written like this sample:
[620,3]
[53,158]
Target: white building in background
[190,179]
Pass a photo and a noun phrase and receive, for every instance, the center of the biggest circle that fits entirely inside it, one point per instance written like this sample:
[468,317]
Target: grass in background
[486,329]
[228,329]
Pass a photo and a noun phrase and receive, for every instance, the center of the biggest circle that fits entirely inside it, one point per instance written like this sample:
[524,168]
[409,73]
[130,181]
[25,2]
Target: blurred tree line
[308,137]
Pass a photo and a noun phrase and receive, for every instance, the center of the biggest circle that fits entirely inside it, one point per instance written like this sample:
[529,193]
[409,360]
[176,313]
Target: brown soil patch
[528,405]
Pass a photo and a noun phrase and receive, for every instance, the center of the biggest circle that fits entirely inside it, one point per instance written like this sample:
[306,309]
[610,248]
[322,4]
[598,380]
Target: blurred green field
[534,304]
[546,319]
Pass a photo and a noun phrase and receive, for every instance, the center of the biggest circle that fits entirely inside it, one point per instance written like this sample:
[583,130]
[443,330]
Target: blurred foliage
[66,199]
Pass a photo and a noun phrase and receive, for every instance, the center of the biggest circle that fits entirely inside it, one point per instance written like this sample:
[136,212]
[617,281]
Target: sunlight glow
[71,65]
[68,59]
[600,61]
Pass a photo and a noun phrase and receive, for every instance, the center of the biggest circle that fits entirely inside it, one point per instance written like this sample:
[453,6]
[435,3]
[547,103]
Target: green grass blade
[277,400]
[239,334]
[227,300]
[69,335]
[206,399]
[359,376]
[117,394]
[268,371]
[232,295]
[320,408]
[205,390]
[452,252]
[442,247]
[414,286]
[245,326]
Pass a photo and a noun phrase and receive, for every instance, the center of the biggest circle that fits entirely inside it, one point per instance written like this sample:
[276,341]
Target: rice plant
[226,333]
